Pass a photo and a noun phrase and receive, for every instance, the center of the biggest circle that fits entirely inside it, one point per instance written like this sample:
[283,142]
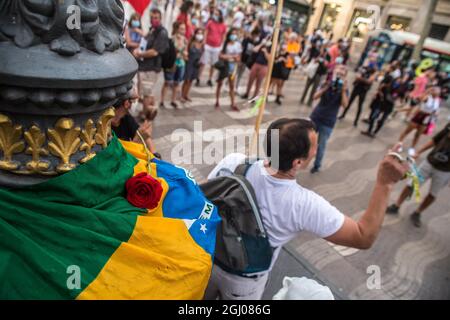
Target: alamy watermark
[74,279]
[374,280]
[74,17]
[209,147]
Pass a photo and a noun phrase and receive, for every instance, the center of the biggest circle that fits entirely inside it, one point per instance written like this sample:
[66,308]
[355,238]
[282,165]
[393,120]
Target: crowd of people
[208,42]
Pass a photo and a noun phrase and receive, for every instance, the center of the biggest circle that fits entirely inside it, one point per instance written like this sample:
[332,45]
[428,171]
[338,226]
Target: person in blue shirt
[333,94]
[134,33]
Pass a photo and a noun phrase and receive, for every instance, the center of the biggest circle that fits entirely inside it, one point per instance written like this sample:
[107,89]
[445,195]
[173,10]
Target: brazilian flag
[77,237]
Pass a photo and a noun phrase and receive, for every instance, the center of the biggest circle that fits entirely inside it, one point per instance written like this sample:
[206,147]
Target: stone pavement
[414,263]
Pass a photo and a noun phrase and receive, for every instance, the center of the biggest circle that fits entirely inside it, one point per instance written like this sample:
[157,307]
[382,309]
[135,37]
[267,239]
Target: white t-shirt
[286,207]
[431,105]
[397,73]
[238,19]
[234,49]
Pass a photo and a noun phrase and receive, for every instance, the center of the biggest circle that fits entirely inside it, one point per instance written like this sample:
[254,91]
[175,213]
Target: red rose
[144,191]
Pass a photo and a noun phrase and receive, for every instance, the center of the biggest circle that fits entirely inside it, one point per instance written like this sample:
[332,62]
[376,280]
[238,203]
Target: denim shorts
[176,76]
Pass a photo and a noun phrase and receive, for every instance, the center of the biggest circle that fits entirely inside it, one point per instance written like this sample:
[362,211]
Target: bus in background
[399,45]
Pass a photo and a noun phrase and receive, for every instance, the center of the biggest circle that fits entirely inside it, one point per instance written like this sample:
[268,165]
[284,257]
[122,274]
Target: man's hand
[146,129]
[137,53]
[322,90]
[363,233]
[392,170]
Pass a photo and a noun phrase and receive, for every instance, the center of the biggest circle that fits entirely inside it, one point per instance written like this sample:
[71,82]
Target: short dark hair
[294,141]
[157,11]
[187,4]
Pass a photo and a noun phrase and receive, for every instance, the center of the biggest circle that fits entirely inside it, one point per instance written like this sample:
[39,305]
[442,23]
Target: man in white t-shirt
[287,208]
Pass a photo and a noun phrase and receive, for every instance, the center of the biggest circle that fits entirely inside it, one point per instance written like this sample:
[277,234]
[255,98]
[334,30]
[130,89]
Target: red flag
[139,5]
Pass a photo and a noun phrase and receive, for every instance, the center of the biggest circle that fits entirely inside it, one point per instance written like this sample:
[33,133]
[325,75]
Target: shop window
[329,16]
[398,23]
[438,31]
[359,25]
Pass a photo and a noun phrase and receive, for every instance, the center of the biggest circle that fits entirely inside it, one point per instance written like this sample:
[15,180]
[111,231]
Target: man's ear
[297,164]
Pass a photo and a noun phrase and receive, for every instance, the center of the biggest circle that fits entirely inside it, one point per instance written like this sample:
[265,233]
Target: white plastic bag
[303,289]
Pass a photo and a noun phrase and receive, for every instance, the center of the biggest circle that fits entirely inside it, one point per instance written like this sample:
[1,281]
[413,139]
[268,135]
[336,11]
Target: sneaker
[244,96]
[209,83]
[314,170]
[174,105]
[278,101]
[393,209]
[415,219]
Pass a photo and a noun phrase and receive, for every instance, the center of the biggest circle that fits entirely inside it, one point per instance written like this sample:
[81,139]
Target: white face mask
[199,37]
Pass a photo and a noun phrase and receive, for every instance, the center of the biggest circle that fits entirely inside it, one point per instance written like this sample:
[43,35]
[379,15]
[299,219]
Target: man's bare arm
[363,233]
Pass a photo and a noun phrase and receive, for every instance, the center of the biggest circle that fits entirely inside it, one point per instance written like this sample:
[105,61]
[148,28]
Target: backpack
[169,56]
[242,245]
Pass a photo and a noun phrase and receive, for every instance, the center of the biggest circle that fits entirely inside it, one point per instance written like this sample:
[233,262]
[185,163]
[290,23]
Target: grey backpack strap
[242,169]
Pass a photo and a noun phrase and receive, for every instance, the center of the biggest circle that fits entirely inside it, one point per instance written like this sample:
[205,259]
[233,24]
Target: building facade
[353,18]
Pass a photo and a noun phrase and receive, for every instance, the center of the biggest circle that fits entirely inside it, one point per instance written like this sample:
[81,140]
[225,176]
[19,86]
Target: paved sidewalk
[414,263]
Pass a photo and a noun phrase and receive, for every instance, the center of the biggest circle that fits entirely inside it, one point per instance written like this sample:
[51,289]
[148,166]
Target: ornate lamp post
[62,66]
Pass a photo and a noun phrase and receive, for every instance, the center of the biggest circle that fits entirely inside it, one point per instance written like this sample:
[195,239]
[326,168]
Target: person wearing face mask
[293,49]
[260,68]
[150,59]
[230,56]
[196,49]
[125,126]
[429,105]
[333,95]
[175,75]
[381,107]
[196,23]
[248,56]
[215,32]
[134,33]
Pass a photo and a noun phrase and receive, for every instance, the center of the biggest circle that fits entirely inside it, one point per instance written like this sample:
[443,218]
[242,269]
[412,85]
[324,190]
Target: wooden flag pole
[275,39]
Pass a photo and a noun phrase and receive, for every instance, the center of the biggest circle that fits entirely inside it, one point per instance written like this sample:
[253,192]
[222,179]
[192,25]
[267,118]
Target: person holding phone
[435,167]
[333,94]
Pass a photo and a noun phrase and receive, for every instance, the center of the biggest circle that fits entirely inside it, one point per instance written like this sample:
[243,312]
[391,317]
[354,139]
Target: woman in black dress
[196,48]
[280,73]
